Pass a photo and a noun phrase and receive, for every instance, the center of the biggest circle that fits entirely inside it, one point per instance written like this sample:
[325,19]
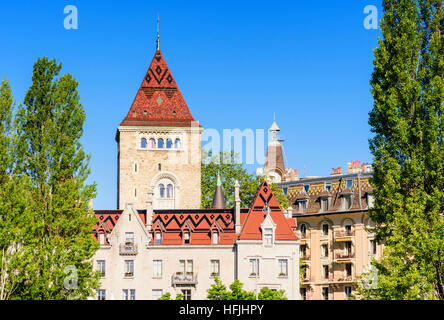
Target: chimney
[149,209]
[237,207]
[290,212]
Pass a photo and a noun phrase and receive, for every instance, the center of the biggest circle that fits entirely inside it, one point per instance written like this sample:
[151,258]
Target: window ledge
[156,277]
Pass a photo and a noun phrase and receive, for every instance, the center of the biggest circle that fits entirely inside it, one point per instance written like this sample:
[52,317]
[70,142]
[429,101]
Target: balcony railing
[180,278]
[346,279]
[128,249]
[345,255]
[344,233]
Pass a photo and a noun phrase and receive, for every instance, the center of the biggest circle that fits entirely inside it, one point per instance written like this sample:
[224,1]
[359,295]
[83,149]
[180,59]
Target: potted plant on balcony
[128,274]
[282,274]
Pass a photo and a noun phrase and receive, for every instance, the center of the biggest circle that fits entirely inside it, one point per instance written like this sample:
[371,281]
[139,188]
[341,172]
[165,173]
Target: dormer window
[306,188]
[349,184]
[158,237]
[186,237]
[102,238]
[302,205]
[324,204]
[347,202]
[215,238]
[328,186]
[268,236]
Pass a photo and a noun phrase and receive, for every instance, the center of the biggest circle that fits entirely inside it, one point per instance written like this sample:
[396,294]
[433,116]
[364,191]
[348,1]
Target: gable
[264,203]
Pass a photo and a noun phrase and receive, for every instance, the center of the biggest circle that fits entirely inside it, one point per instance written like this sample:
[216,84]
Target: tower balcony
[128,249]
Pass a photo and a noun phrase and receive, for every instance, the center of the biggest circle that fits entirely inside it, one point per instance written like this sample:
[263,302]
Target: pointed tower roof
[264,203]
[218,198]
[158,101]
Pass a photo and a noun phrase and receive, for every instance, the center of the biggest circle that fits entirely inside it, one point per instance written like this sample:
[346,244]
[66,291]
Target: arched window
[169,144]
[170,191]
[152,143]
[325,229]
[143,143]
[177,143]
[303,229]
[160,143]
[161,190]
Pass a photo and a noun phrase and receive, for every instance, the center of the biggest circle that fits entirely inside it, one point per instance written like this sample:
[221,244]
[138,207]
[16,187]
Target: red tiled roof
[251,229]
[158,101]
[202,222]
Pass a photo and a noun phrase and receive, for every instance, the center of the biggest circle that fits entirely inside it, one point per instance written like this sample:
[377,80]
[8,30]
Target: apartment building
[337,244]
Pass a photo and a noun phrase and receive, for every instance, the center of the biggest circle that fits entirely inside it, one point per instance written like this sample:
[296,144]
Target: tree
[219,291]
[14,203]
[167,296]
[49,128]
[407,120]
[6,105]
[268,294]
[229,167]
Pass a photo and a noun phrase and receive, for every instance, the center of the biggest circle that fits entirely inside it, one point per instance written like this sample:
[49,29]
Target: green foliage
[407,120]
[179,296]
[45,218]
[231,169]
[237,293]
[6,105]
[268,294]
[167,296]
[219,291]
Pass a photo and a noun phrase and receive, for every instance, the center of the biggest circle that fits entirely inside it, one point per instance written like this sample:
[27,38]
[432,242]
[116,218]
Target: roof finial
[157,41]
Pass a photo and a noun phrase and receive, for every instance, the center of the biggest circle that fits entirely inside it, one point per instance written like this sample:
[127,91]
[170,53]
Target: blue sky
[236,63]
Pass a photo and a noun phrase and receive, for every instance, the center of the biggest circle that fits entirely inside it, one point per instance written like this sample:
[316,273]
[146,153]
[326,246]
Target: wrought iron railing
[187,278]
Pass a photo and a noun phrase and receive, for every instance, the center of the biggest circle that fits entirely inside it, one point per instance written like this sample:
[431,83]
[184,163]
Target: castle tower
[274,166]
[159,145]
